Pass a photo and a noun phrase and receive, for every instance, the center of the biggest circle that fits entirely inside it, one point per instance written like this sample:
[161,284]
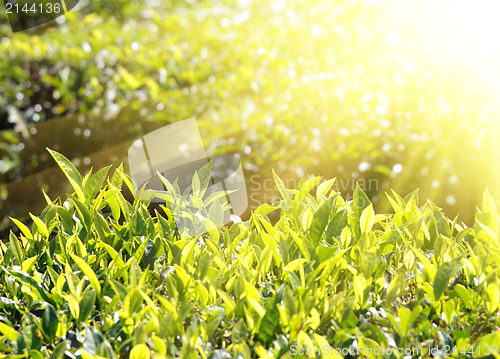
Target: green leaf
[395,205]
[404,315]
[35,354]
[95,343]
[395,288]
[296,263]
[10,333]
[270,322]
[281,187]
[264,209]
[229,304]
[441,222]
[74,177]
[59,350]
[320,220]
[135,273]
[368,261]
[28,263]
[367,219]
[127,179]
[429,268]
[359,202]
[489,232]
[323,188]
[24,229]
[216,214]
[324,253]
[204,177]
[50,321]
[101,226]
[464,294]
[115,256]
[140,351]
[443,275]
[89,273]
[139,252]
[488,340]
[42,228]
[203,265]
[336,225]
[196,184]
[31,283]
[488,201]
[87,304]
[84,214]
[16,248]
[94,184]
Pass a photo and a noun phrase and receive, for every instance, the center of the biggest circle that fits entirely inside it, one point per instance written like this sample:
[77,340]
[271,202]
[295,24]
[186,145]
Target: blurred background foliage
[398,95]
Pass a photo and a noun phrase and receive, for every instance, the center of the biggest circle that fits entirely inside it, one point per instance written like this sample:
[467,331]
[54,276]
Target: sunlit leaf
[71,173]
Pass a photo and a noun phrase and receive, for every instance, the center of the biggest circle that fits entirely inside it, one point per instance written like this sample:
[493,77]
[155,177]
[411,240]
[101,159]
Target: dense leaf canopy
[98,275]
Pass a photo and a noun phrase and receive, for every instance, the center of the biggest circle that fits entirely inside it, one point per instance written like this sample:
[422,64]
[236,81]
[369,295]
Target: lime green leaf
[24,229]
[324,187]
[489,232]
[488,201]
[359,202]
[140,351]
[367,219]
[464,294]
[28,264]
[129,79]
[404,315]
[42,228]
[264,209]
[488,339]
[430,269]
[281,187]
[7,330]
[89,273]
[71,173]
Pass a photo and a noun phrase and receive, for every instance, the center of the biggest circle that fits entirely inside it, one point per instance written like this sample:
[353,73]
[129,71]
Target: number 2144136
[41,8]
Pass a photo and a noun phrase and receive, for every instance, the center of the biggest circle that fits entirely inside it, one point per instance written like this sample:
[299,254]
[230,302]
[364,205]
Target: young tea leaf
[74,177]
[443,275]
[367,219]
[320,220]
[89,273]
[140,351]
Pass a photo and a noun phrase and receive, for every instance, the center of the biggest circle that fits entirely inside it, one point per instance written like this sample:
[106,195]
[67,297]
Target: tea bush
[303,87]
[99,277]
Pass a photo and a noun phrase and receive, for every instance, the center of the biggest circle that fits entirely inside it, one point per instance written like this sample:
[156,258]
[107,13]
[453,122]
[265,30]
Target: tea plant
[97,276]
